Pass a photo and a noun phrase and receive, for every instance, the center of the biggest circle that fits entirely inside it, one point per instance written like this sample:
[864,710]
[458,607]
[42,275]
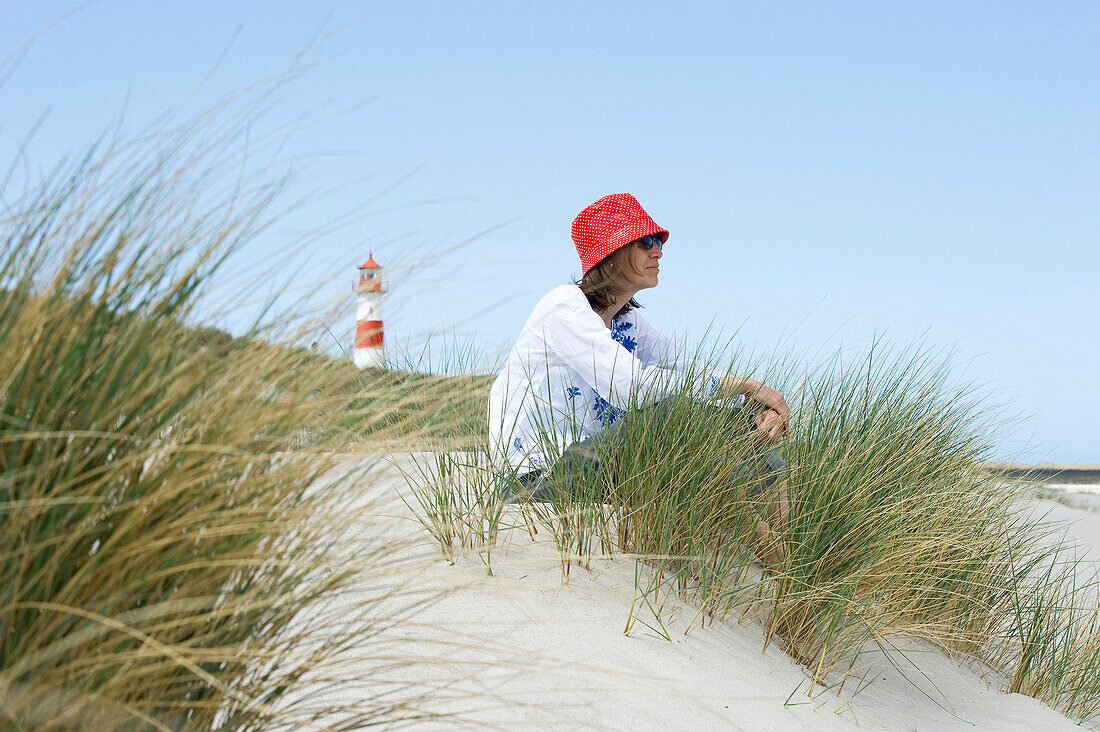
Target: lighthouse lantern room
[368,316]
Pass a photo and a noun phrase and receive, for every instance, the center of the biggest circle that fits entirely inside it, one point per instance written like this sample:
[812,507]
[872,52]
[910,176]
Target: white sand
[524,649]
[1077,508]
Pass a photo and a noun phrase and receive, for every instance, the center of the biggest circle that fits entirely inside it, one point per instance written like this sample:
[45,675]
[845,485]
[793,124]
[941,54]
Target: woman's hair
[599,284]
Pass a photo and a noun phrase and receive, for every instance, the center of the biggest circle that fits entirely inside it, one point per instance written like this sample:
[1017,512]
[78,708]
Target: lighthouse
[368,316]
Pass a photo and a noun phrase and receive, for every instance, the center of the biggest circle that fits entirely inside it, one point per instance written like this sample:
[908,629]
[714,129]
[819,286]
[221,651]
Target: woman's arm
[654,349]
[765,396]
[578,336]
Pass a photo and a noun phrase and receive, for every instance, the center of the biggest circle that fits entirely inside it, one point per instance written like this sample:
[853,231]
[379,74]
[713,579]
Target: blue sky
[829,172]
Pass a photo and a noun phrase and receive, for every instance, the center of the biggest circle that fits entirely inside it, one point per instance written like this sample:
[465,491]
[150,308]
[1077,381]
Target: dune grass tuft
[894,527]
[175,502]
[458,500]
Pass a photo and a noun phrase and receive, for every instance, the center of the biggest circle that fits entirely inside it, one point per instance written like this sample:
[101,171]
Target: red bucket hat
[610,223]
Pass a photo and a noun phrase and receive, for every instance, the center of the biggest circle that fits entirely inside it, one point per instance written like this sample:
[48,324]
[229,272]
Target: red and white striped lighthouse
[368,316]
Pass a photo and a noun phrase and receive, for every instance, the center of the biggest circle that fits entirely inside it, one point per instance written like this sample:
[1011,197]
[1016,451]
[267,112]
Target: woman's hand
[770,425]
[770,399]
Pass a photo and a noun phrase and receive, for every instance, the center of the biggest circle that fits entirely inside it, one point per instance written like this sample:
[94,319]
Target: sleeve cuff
[711,391]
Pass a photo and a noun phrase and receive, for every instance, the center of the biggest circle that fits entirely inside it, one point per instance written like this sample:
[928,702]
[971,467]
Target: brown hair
[599,284]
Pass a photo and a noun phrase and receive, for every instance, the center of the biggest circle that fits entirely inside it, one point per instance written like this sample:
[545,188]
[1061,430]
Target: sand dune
[522,648]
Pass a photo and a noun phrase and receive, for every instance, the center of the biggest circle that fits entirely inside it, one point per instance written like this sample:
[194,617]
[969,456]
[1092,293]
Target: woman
[585,357]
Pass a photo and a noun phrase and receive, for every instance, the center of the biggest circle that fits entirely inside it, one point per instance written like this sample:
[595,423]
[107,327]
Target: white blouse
[568,377]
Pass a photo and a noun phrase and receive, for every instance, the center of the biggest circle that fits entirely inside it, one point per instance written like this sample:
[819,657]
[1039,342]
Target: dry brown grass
[174,511]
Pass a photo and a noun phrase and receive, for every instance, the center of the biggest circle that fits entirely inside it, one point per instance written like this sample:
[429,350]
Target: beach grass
[458,499]
[1048,641]
[175,502]
[894,527]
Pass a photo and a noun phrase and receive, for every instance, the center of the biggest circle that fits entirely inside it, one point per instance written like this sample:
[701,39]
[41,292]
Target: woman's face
[645,265]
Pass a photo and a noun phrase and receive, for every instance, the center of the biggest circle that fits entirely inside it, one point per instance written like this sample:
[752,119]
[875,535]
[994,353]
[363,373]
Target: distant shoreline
[1047,472]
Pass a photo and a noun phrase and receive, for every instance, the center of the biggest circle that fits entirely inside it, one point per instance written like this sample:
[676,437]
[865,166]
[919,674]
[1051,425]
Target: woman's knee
[779,505]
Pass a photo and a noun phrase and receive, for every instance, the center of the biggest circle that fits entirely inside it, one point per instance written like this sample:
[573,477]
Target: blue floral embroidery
[603,410]
[572,392]
[518,444]
[713,387]
[619,330]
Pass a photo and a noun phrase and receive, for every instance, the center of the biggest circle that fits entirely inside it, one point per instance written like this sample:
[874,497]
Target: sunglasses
[650,241]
